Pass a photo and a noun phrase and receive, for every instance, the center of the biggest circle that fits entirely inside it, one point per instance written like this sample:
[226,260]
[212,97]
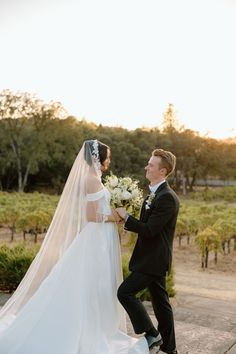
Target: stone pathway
[204,324]
[204,312]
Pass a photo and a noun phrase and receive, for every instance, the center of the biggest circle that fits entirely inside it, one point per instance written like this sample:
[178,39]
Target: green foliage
[212,224]
[25,124]
[226,193]
[14,262]
[144,294]
[170,283]
[208,239]
[26,212]
[209,218]
[37,147]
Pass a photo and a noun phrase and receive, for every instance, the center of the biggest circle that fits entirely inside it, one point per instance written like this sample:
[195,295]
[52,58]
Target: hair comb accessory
[95,155]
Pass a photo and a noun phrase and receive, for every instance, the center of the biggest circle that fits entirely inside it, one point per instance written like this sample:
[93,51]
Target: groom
[152,255]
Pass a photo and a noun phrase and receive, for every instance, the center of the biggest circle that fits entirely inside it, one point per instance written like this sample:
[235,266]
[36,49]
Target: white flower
[126,195]
[125,192]
[113,181]
[149,200]
[116,191]
[135,193]
[127,180]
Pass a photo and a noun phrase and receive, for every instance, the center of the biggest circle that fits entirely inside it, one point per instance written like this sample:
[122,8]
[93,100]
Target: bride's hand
[121,212]
[116,216]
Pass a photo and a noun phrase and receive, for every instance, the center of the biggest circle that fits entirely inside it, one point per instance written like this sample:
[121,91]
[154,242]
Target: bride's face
[105,165]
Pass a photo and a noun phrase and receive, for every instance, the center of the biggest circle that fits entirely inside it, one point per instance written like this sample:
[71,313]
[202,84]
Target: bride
[66,303]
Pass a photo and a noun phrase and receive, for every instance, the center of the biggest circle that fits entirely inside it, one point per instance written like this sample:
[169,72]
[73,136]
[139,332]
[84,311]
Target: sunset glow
[121,62]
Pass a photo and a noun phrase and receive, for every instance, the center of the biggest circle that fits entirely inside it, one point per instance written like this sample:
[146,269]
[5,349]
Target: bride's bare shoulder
[93,185]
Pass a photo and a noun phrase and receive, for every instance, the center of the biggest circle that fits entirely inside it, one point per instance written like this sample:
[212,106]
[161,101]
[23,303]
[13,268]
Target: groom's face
[154,171]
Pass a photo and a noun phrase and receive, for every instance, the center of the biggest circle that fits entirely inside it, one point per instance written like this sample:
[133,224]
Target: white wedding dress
[75,309]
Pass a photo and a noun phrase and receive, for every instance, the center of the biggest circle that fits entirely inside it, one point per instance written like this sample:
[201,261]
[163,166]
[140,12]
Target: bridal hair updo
[89,150]
[168,160]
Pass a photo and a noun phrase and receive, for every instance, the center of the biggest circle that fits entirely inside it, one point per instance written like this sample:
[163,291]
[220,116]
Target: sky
[121,62]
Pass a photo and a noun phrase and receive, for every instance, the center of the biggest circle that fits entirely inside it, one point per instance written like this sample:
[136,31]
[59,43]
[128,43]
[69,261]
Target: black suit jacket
[153,250]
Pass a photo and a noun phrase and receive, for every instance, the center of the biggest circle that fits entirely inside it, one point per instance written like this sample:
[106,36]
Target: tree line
[39,142]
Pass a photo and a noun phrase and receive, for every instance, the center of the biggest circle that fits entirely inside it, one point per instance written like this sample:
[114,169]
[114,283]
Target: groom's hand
[122,212]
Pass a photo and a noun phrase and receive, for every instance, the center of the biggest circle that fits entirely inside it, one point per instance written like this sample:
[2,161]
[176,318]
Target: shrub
[14,262]
[227,193]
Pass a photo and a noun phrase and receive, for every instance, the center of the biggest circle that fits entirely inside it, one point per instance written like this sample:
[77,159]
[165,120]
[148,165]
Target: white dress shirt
[154,188]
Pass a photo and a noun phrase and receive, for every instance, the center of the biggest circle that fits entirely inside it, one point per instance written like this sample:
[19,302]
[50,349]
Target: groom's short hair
[168,160]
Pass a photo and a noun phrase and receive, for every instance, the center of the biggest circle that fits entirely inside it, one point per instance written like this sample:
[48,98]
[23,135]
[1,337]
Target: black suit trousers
[139,317]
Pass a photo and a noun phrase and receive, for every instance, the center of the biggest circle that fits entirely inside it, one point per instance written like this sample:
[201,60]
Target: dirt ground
[218,281]
[189,256]
[5,237]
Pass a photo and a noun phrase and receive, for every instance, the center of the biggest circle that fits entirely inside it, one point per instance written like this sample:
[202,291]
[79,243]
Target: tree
[37,147]
[7,161]
[208,240]
[24,119]
[170,123]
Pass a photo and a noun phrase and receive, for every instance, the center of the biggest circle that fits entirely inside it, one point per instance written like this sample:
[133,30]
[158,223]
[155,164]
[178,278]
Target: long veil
[73,212]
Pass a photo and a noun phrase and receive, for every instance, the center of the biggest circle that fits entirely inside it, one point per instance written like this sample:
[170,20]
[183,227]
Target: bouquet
[124,193]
